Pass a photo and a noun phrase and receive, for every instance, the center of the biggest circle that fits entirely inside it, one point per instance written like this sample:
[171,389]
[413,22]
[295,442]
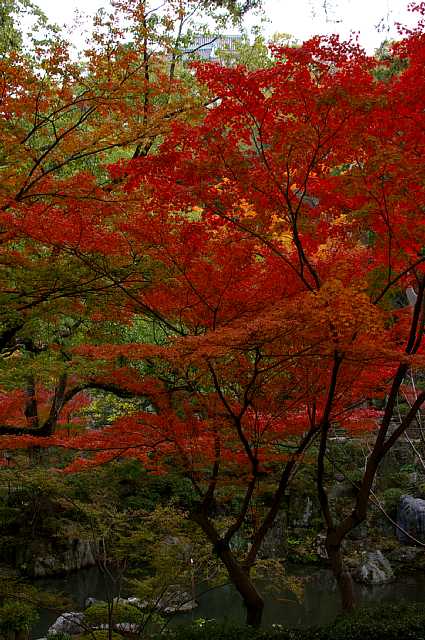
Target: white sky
[300,18]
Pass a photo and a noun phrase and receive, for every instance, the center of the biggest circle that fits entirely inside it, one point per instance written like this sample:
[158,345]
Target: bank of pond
[305,616]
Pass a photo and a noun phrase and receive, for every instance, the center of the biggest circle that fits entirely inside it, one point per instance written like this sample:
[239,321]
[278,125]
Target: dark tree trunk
[342,576]
[240,578]
[254,612]
[239,574]
[31,409]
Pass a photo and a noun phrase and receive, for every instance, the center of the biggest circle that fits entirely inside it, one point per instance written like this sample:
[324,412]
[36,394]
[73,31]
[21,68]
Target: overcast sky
[373,19]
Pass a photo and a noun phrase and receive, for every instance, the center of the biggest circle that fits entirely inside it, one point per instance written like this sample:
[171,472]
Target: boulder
[411,519]
[320,546]
[89,601]
[274,542]
[374,568]
[406,554]
[70,623]
[307,513]
[176,601]
[128,627]
[173,601]
[76,554]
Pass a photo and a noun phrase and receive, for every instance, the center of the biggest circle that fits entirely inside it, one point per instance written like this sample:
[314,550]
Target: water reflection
[319,606]
[77,587]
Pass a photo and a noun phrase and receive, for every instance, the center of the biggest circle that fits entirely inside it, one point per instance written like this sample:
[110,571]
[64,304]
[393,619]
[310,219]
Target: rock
[413,477]
[77,554]
[128,627]
[308,512]
[408,558]
[273,545]
[184,607]
[339,439]
[89,601]
[70,623]
[411,518]
[320,546]
[406,555]
[176,601]
[173,601]
[374,568]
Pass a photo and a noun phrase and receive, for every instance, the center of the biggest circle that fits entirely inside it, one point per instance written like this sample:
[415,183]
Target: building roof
[208,47]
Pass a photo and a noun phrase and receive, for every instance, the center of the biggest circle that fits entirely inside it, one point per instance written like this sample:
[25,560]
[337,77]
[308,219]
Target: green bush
[389,622]
[399,480]
[391,499]
[97,614]
[211,630]
[17,616]
[100,635]
[61,635]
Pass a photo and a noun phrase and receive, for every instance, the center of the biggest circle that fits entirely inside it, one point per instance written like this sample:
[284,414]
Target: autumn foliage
[264,237]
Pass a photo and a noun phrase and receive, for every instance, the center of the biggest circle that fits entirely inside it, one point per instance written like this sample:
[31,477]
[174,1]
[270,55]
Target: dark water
[76,587]
[319,605]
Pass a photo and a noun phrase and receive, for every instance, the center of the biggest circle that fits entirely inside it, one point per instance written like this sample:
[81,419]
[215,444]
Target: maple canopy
[256,250]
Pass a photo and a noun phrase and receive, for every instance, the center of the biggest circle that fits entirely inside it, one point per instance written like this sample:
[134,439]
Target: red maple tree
[312,172]
[271,242]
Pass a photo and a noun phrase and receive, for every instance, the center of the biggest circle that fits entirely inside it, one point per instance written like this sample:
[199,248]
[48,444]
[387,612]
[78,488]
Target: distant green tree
[392,63]
[235,9]
[12,37]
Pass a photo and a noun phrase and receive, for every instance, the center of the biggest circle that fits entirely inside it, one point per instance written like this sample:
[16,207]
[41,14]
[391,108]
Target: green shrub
[211,630]
[391,499]
[61,635]
[399,480]
[17,616]
[100,635]
[388,622]
[97,614]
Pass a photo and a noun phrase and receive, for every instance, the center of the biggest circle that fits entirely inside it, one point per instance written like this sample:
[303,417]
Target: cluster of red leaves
[275,231]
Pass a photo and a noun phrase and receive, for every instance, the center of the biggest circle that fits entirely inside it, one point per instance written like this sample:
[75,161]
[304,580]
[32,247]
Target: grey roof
[206,47]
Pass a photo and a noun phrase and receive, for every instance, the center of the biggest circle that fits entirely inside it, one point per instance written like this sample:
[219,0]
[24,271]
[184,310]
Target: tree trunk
[240,578]
[238,573]
[342,576]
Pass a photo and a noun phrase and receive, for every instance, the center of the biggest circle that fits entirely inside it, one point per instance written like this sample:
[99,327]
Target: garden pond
[319,605]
